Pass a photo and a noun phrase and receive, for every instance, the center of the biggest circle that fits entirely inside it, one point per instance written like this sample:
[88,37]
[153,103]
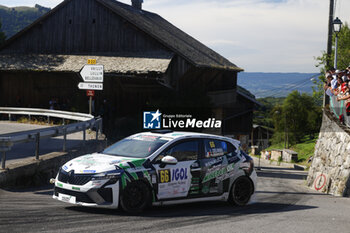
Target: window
[139,146]
[184,151]
[215,148]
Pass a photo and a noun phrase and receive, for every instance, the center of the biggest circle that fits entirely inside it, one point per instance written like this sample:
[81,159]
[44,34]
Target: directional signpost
[91,86]
[92,75]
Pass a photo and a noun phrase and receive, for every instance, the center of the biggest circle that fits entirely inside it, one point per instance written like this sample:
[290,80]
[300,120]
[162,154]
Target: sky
[256,35]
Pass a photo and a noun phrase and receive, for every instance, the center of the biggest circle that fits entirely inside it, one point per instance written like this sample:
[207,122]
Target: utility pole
[329,44]
[330,32]
[285,130]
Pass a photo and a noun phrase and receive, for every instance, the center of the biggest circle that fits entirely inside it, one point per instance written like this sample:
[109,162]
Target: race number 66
[164,176]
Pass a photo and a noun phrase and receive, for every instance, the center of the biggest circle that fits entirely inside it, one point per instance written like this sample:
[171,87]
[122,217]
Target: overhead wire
[293,85]
[282,91]
[278,88]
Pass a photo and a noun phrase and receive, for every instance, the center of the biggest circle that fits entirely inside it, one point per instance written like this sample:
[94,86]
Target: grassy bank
[304,150]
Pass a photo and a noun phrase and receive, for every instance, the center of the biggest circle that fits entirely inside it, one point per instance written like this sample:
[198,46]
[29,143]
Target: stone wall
[330,169]
[289,156]
[276,154]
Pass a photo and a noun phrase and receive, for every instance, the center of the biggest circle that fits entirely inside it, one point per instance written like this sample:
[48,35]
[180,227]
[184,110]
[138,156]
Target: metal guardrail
[88,122]
[339,108]
[46,112]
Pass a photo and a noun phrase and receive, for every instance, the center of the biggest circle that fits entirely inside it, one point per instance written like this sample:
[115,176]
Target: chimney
[137,4]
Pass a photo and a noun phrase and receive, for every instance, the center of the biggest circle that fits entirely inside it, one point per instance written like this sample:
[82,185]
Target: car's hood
[97,163]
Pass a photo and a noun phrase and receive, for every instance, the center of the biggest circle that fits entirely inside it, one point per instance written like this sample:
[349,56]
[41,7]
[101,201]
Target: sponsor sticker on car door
[174,181]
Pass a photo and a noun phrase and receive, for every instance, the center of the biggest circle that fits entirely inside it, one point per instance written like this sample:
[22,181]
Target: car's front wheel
[135,197]
[241,191]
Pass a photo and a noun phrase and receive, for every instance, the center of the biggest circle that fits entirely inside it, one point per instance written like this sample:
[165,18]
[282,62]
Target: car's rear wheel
[135,197]
[241,191]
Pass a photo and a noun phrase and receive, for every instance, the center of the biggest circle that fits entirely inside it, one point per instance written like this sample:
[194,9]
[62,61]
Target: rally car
[158,168]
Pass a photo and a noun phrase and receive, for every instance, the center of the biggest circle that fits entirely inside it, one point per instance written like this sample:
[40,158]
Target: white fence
[87,122]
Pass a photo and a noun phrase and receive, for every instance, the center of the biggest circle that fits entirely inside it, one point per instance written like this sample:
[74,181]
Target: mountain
[16,18]
[276,84]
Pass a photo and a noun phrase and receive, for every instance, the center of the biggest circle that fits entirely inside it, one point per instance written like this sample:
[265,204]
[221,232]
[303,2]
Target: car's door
[174,181]
[216,166]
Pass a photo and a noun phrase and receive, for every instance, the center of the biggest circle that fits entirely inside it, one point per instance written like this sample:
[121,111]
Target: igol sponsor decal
[179,174]
[176,174]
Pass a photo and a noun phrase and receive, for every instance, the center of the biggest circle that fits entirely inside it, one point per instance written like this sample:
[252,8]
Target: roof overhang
[251,99]
[128,65]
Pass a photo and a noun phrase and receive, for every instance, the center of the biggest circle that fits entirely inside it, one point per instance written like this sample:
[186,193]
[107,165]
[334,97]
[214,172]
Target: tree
[299,115]
[2,36]
[343,60]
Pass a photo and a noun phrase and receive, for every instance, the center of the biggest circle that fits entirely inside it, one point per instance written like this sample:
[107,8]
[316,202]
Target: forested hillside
[16,18]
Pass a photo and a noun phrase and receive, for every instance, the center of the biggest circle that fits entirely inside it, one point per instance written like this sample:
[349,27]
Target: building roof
[247,95]
[164,32]
[171,37]
[73,63]
[263,127]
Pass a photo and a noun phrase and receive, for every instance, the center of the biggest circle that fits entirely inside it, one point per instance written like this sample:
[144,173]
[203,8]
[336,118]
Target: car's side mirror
[168,160]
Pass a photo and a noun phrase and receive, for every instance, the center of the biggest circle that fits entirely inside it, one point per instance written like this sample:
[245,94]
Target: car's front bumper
[92,194]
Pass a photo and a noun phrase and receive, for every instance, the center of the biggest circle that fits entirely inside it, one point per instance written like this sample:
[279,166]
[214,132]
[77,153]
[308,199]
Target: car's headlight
[107,175]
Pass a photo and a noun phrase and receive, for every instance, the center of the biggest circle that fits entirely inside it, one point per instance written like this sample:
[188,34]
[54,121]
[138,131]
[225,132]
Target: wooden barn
[149,64]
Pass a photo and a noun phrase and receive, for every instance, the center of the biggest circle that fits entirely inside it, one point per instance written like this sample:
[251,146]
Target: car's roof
[182,135]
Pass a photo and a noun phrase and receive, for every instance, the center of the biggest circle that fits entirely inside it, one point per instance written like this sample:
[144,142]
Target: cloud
[277,36]
[46,3]
[257,35]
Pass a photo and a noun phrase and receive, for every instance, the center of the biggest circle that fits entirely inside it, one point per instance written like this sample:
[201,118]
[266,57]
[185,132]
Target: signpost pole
[92,75]
[90,105]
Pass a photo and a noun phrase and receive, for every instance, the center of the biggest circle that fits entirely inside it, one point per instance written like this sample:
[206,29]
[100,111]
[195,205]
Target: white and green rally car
[159,168]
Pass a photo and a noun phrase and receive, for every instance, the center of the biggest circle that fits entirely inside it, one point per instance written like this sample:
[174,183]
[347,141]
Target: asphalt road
[282,204]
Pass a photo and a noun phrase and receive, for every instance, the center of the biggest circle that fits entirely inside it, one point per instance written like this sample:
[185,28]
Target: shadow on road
[292,193]
[278,168]
[282,175]
[201,209]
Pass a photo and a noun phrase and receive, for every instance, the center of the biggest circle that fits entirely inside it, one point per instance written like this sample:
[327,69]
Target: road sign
[92,73]
[91,86]
[90,93]
[320,181]
[91,61]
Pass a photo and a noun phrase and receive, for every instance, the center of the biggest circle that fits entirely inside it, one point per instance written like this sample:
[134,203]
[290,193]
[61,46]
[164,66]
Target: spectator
[334,83]
[52,103]
[338,90]
[327,86]
[346,94]
[346,97]
[266,154]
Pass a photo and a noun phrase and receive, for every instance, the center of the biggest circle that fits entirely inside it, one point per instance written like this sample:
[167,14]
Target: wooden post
[84,134]
[90,105]
[64,138]
[37,145]
[329,44]
[268,138]
[97,126]
[3,160]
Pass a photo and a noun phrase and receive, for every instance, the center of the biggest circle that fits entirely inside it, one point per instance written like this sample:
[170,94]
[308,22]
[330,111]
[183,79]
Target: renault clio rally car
[158,168]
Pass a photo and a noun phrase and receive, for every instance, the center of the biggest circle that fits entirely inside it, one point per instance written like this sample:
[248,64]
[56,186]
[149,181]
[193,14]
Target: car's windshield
[138,146]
